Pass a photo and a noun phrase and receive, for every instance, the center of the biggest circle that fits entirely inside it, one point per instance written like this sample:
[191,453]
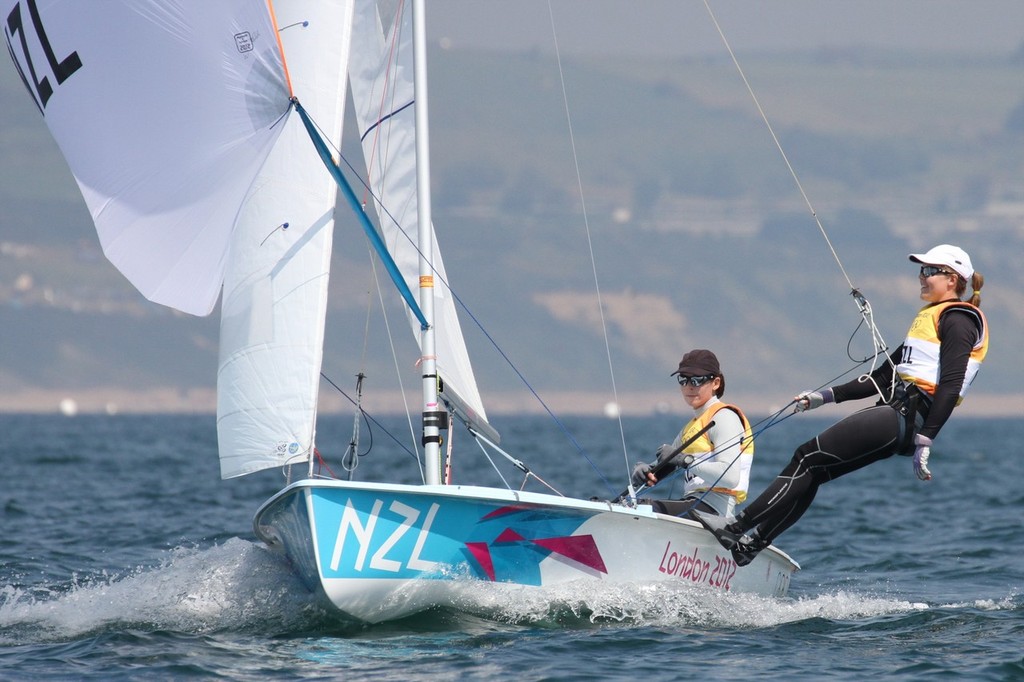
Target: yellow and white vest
[920,361]
[703,446]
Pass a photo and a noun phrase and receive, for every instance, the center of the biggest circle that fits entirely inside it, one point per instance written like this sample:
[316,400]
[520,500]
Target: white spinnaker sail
[381,81]
[275,291]
[164,112]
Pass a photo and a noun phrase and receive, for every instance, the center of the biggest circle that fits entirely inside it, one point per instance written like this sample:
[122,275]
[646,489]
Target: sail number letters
[364,534]
[15,33]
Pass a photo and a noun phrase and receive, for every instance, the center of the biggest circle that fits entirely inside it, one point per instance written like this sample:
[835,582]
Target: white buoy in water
[68,407]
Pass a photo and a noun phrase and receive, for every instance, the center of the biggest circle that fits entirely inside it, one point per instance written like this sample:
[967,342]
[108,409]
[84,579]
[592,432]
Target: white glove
[922,451]
[808,400]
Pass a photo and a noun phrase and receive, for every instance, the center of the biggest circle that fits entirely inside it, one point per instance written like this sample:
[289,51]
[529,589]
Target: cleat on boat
[719,527]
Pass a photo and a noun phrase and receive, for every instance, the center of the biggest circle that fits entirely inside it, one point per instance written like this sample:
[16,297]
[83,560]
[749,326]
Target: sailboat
[201,135]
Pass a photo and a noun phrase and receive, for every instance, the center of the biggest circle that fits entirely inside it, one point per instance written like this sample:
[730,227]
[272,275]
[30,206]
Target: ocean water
[124,556]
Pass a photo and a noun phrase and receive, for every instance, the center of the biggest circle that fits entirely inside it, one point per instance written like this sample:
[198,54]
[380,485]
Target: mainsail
[381,81]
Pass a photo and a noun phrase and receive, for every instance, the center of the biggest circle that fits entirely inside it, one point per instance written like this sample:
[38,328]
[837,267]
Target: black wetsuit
[867,436]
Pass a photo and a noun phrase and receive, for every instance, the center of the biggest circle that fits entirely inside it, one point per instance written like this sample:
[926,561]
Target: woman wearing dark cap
[920,384]
[717,461]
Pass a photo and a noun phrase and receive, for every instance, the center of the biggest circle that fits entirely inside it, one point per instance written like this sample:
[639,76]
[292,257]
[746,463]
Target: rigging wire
[878,343]
[476,321]
[376,279]
[350,459]
[590,243]
[369,418]
[394,357]
[778,144]
[867,316]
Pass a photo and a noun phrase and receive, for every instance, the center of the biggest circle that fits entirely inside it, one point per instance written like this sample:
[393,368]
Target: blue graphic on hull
[366,534]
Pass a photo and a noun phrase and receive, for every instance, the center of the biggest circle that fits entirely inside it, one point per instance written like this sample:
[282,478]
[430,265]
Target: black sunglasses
[932,270]
[694,381]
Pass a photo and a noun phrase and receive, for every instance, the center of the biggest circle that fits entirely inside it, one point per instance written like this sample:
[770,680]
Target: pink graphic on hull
[512,541]
[482,555]
[508,509]
[580,548]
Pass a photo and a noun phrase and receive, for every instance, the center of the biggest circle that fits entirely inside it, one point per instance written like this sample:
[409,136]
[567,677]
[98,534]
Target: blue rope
[565,430]
[364,221]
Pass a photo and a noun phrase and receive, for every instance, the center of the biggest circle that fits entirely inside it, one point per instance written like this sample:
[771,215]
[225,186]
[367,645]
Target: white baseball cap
[953,257]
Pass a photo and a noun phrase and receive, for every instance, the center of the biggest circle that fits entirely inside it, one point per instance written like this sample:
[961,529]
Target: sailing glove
[922,451]
[640,472]
[682,461]
[664,450]
[808,400]
[679,461]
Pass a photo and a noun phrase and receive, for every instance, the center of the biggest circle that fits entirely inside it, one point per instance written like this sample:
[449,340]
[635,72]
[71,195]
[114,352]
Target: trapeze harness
[919,369]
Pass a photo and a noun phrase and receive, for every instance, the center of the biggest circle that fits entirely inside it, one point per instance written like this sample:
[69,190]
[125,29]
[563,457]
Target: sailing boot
[747,547]
[727,533]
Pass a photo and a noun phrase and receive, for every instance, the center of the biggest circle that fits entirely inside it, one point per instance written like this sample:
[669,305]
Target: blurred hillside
[700,235]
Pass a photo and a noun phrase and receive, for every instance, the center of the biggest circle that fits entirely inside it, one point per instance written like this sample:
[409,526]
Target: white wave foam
[666,604]
[241,586]
[1007,603]
[234,586]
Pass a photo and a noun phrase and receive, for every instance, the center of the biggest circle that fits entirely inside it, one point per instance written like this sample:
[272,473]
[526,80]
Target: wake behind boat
[234,196]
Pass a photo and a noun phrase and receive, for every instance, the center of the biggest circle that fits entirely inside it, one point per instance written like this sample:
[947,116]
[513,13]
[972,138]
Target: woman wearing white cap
[715,448]
[925,378]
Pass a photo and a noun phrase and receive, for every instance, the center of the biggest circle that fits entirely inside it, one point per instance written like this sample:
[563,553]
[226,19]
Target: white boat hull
[378,552]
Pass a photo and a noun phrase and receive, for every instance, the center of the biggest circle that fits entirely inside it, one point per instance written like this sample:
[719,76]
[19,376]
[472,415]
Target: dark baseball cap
[698,362]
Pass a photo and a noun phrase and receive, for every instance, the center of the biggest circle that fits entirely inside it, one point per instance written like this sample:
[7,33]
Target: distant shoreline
[199,401]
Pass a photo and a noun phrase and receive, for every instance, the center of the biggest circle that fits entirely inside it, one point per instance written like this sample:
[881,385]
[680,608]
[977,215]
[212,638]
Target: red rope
[396,24]
[322,463]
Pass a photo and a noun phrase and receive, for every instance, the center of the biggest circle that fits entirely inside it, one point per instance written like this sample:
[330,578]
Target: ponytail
[977,281]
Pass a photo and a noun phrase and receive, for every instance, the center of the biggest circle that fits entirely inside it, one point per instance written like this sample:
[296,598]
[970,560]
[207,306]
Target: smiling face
[698,396]
[937,283]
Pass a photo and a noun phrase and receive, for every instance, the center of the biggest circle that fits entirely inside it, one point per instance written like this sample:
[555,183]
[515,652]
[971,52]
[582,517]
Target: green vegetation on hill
[699,234]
